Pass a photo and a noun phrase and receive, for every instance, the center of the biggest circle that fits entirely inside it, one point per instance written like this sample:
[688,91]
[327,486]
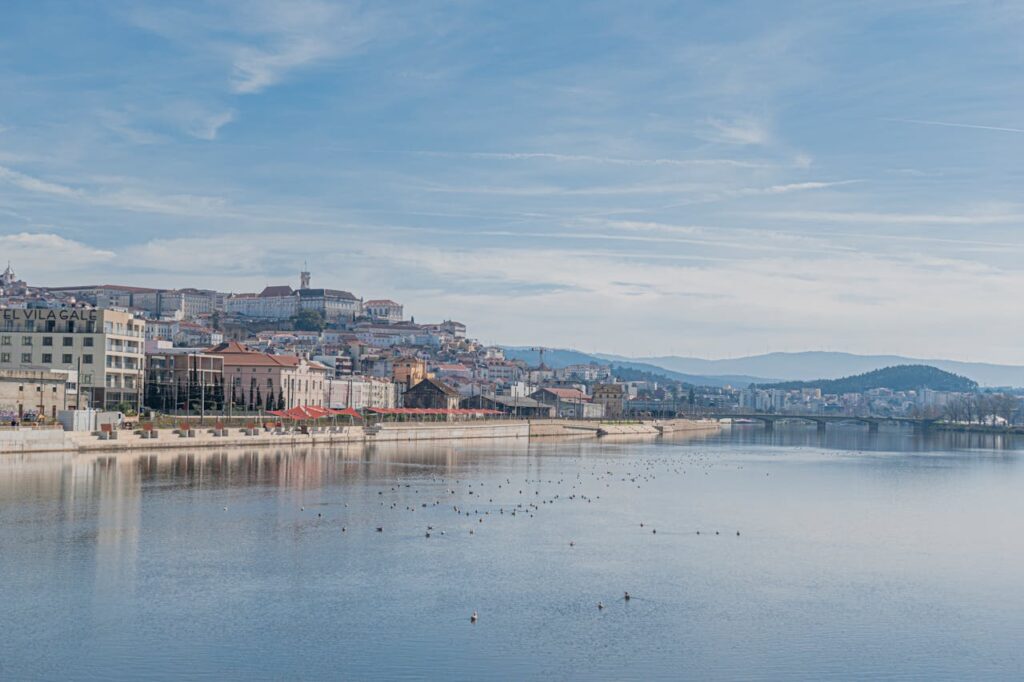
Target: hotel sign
[42,314]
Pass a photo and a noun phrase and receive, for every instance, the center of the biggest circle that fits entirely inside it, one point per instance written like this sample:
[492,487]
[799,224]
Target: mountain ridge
[775,367]
[896,378]
[816,365]
[557,358]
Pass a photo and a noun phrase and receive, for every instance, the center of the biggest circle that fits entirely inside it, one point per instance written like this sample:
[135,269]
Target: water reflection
[857,437]
[889,554]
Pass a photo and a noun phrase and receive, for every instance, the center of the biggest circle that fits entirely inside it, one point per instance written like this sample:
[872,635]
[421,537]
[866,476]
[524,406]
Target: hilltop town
[200,351]
[190,350]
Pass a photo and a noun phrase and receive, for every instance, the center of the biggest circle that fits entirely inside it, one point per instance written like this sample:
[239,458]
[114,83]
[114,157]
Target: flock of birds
[470,499]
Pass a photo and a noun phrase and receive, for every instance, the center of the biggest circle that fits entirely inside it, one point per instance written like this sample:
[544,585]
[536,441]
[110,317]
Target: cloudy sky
[702,178]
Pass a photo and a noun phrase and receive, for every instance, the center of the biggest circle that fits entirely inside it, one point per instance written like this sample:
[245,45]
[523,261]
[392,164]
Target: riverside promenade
[24,441]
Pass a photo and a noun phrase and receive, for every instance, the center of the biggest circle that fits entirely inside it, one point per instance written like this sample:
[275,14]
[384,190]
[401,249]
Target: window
[270,383]
[87,342]
[68,341]
[47,358]
[47,340]
[5,357]
[87,359]
[5,340]
[26,340]
[66,358]
[26,358]
[30,325]
[51,325]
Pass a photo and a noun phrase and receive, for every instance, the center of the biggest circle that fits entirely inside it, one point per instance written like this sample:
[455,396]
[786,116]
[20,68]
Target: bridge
[823,420]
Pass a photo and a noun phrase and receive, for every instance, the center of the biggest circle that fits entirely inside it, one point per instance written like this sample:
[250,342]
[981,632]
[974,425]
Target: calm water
[858,556]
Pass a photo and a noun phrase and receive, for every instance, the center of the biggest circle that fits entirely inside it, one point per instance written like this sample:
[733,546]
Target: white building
[383,310]
[273,303]
[360,393]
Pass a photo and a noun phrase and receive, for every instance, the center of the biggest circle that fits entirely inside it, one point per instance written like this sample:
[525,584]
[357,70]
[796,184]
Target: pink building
[265,381]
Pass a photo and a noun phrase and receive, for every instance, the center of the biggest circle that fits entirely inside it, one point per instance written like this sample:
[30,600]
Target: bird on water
[473,618]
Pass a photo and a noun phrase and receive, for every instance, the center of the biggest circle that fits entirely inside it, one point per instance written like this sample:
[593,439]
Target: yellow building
[408,372]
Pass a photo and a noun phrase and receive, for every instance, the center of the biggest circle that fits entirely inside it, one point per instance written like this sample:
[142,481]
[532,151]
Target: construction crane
[540,350]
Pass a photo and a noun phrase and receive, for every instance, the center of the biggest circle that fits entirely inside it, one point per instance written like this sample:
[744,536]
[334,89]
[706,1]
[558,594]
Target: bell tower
[304,276]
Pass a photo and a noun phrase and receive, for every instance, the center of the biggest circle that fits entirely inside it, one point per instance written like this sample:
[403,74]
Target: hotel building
[105,347]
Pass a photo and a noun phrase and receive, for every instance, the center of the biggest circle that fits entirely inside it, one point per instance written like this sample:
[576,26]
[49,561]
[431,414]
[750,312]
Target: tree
[1005,407]
[259,399]
[153,396]
[218,393]
[280,400]
[309,321]
[271,404]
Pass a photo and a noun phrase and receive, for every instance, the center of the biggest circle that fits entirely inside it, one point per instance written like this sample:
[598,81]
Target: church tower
[304,276]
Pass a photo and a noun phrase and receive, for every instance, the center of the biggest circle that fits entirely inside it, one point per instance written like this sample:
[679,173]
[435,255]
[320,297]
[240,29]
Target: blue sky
[704,178]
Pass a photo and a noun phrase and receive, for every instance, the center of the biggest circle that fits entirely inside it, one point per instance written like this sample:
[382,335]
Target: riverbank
[54,440]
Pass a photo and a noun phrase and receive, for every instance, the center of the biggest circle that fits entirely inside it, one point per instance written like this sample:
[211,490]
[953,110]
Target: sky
[694,178]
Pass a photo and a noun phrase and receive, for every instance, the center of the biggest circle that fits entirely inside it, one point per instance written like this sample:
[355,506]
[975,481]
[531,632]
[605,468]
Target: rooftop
[282,290]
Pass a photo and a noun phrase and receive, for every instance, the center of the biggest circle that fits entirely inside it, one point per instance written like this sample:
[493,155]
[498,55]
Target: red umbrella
[347,412]
[300,413]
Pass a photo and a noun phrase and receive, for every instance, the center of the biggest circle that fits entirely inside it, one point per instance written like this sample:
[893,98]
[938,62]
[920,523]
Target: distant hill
[827,365]
[557,358]
[898,378]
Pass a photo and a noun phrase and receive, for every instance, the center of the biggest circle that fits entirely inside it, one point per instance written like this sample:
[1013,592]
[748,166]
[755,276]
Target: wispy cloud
[742,131]
[262,41]
[126,199]
[32,184]
[948,124]
[606,160]
[207,127]
[42,249]
[897,218]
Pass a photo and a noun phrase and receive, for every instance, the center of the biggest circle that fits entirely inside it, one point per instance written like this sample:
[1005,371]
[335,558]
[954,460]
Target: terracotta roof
[440,386]
[380,301]
[444,367]
[566,393]
[230,347]
[117,287]
[237,354]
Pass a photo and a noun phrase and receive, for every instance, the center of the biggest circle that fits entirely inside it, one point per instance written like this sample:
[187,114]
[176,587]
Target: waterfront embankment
[25,441]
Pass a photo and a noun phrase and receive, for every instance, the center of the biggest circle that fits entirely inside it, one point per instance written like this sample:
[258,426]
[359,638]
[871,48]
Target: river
[747,555]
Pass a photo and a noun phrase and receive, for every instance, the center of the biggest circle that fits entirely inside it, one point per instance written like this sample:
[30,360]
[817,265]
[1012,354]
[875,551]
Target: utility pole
[202,394]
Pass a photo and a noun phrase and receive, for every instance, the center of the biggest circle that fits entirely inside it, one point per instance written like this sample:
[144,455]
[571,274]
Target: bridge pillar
[872,427]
